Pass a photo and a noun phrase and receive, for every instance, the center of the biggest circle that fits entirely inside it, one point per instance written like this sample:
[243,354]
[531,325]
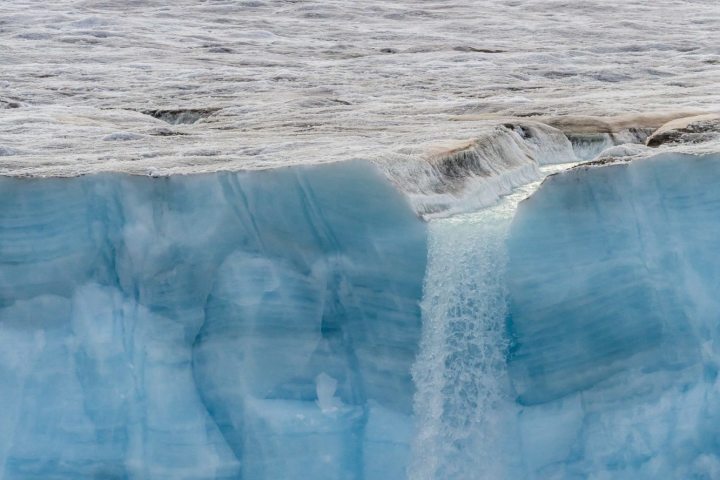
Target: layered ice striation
[229,325]
[612,277]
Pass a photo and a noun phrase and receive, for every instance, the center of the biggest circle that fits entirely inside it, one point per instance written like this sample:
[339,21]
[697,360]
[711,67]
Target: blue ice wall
[614,282]
[233,325]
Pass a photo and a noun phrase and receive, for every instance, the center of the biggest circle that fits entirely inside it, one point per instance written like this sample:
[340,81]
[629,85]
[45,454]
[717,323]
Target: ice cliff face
[612,277]
[306,323]
[230,325]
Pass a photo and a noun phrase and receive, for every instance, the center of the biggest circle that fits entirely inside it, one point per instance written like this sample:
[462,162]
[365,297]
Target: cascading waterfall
[464,405]
[460,376]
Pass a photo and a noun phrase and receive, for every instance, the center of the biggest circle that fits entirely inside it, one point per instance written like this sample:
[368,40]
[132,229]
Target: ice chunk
[326,386]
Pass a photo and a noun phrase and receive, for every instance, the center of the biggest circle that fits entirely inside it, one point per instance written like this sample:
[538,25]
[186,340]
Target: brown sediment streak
[446,150]
[687,129]
[597,124]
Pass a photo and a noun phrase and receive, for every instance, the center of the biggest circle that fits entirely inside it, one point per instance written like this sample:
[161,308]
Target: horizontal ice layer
[613,277]
[232,325]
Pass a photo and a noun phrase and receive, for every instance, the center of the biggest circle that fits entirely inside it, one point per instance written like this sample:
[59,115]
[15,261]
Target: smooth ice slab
[231,325]
[613,277]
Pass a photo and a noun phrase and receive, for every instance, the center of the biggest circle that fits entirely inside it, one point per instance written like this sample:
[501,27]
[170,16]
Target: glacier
[229,325]
[305,322]
[269,239]
[263,239]
[496,310]
[231,85]
[572,333]
[612,278]
[329,322]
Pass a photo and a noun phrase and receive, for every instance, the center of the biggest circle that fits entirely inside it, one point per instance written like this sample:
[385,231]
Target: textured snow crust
[188,86]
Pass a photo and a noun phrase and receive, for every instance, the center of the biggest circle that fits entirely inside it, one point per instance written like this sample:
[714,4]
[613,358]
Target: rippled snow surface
[162,87]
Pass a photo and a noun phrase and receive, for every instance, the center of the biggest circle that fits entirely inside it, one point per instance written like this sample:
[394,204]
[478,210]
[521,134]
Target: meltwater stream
[464,408]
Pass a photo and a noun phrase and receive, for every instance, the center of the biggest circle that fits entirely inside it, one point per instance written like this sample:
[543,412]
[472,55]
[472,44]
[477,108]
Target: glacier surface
[174,87]
[257,325]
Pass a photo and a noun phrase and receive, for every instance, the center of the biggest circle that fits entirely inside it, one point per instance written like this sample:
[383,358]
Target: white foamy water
[189,86]
[464,406]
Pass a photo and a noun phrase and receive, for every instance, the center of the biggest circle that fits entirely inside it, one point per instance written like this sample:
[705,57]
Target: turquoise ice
[613,281]
[229,325]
